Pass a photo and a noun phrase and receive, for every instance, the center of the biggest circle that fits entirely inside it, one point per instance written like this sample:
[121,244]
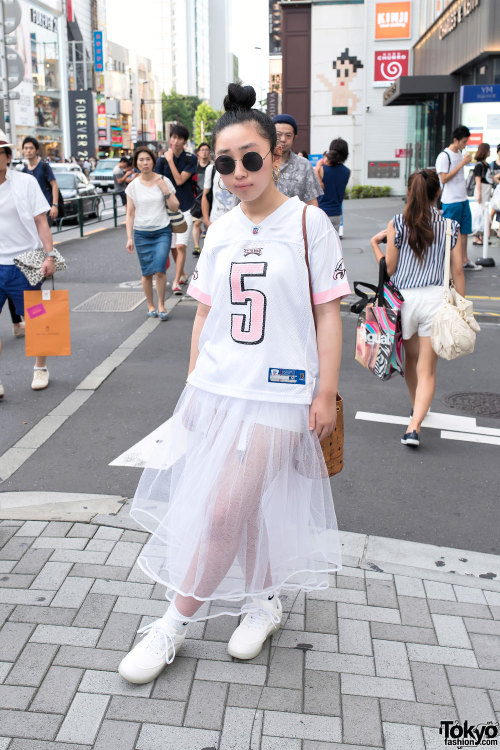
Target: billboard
[274,27]
[82,123]
[393,20]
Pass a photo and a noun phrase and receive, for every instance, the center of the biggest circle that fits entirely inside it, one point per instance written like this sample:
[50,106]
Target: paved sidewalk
[378,660]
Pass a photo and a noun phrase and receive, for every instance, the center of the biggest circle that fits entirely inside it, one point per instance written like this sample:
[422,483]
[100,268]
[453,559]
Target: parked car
[74,185]
[65,166]
[102,175]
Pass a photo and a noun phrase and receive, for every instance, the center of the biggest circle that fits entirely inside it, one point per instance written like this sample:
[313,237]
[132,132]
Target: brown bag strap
[306,257]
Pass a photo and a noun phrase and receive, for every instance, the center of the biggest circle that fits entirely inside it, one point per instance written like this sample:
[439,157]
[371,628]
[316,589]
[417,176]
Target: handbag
[30,264]
[177,221]
[454,328]
[47,332]
[379,336]
[333,445]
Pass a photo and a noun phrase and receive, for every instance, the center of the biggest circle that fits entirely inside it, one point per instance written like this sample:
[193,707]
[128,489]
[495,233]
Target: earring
[222,187]
[276,176]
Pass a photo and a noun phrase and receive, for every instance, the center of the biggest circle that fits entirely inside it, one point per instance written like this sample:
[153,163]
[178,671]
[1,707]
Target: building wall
[372,131]
[221,60]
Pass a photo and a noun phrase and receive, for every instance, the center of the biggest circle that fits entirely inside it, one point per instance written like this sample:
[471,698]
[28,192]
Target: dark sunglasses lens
[252,161]
[225,165]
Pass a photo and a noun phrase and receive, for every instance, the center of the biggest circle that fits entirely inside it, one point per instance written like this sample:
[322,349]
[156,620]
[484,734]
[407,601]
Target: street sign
[98,52]
[12,15]
[15,69]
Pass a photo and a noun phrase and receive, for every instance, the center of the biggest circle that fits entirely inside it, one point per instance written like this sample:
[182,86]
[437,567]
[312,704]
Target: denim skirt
[153,249]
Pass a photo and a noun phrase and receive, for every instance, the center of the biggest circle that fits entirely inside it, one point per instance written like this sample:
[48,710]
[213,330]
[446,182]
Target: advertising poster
[24,113]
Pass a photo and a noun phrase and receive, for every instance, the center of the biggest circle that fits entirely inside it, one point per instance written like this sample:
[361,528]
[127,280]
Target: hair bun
[239,97]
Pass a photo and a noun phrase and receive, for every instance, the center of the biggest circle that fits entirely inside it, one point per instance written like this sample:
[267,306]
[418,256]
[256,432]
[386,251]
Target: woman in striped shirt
[415,261]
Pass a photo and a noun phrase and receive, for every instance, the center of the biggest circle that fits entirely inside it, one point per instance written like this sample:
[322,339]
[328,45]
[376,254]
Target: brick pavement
[376,661]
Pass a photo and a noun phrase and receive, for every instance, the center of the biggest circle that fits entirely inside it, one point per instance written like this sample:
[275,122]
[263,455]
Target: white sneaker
[40,379]
[263,619]
[2,392]
[158,648]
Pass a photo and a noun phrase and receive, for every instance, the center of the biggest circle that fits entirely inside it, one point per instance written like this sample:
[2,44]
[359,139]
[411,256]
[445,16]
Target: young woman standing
[148,226]
[237,498]
[483,180]
[415,262]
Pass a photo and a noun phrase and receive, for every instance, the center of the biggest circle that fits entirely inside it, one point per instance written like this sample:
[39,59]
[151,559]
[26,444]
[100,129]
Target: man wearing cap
[296,173]
[23,227]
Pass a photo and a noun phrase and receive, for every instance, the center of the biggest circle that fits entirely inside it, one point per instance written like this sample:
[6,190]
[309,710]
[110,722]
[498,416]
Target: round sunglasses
[252,162]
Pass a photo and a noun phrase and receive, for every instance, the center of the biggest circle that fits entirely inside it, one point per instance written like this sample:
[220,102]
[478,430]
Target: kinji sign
[392,20]
[390,65]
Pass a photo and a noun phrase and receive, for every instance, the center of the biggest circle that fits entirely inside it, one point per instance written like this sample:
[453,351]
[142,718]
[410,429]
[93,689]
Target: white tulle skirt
[238,502]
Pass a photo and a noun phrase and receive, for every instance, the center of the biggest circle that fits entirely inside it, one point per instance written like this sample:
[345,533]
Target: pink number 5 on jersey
[247,327]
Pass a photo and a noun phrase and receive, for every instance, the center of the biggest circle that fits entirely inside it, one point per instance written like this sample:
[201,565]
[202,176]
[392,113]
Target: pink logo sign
[390,65]
[36,310]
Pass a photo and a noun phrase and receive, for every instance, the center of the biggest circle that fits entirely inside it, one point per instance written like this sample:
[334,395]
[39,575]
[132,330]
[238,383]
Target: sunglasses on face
[252,162]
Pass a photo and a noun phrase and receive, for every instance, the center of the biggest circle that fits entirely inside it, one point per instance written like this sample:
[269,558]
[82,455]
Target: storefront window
[430,130]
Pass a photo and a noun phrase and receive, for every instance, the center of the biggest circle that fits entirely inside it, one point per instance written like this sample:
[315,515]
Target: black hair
[346,57]
[181,131]
[460,132]
[31,139]
[201,146]
[8,151]
[303,153]
[498,148]
[238,104]
[124,158]
[338,151]
[143,150]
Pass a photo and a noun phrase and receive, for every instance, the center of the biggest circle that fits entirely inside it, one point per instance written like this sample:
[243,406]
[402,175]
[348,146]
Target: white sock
[175,619]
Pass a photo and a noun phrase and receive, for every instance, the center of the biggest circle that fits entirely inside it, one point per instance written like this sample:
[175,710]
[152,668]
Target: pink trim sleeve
[197,294]
[340,290]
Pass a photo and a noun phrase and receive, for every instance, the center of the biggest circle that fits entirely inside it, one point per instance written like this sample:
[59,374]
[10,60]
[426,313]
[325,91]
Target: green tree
[204,120]
[192,103]
[174,107]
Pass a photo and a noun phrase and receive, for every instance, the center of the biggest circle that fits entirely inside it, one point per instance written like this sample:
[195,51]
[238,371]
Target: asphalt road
[445,493]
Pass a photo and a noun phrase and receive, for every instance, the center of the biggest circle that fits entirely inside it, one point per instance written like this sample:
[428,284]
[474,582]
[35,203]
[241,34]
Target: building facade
[338,58]
[455,78]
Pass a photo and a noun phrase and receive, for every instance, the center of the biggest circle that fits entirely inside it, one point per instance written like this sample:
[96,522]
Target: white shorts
[183,237]
[419,308]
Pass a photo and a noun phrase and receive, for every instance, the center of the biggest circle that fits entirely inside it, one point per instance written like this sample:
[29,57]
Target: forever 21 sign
[82,123]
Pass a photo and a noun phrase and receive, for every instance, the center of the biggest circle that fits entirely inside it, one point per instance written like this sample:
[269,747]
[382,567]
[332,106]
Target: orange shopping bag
[46,316]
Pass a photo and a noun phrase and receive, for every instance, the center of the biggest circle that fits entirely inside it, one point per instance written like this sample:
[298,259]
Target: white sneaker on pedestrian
[149,657]
[263,619]
[469,266]
[40,378]
[2,392]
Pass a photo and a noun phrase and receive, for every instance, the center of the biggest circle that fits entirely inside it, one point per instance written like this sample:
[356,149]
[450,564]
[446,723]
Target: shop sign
[98,52]
[390,65]
[475,139]
[392,20]
[458,13]
[81,118]
[480,94]
[43,20]
[402,153]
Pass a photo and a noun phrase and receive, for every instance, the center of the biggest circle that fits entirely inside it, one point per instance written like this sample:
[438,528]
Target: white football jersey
[259,339]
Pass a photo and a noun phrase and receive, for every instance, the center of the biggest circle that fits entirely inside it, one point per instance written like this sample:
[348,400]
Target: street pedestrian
[296,174]
[450,165]
[247,509]
[303,153]
[42,172]
[416,244]
[217,200]
[203,154]
[179,166]
[334,176]
[495,170]
[148,226]
[23,227]
[484,180]
[121,173]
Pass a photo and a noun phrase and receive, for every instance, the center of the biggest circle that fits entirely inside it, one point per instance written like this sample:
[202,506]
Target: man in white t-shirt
[450,165]
[222,200]
[23,227]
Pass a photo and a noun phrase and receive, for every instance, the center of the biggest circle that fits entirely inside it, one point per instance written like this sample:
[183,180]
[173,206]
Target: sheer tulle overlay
[238,502]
